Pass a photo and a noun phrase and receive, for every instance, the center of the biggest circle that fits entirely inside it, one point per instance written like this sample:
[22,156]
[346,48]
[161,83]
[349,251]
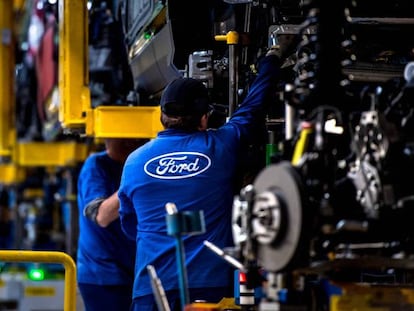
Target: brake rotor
[278,218]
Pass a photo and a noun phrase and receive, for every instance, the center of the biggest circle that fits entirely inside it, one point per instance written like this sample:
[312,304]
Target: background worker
[194,168]
[105,258]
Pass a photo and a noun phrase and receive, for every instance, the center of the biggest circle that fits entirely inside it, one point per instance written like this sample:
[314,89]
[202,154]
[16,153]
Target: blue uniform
[194,170]
[105,256]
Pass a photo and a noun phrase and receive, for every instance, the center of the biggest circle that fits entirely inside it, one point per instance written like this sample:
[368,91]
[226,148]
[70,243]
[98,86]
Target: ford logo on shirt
[177,165]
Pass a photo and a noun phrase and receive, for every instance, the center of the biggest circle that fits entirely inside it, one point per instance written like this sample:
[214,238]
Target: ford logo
[177,165]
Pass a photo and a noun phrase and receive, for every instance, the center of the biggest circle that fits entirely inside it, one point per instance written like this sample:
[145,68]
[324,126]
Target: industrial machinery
[323,210]
[335,207]
[37,162]
[332,205]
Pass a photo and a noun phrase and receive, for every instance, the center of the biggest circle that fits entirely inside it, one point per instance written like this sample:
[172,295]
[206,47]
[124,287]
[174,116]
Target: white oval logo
[177,165]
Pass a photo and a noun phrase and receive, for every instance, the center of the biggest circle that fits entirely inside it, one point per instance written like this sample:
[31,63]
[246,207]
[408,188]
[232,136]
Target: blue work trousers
[106,297]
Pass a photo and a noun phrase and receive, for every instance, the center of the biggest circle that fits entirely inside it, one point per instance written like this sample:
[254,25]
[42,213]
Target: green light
[36,274]
[147,35]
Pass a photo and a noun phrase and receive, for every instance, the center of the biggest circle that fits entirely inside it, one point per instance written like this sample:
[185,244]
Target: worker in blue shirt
[105,257]
[194,168]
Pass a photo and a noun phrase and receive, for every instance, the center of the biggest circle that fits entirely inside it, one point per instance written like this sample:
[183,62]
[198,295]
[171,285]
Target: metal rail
[49,257]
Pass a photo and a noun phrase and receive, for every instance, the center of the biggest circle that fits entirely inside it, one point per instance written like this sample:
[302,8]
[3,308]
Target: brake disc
[278,218]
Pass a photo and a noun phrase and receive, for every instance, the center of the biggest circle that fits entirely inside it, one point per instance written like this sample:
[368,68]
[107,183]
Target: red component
[242,277]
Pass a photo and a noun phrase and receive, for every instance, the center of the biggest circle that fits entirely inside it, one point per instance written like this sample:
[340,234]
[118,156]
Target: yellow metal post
[7,62]
[73,63]
[232,39]
[49,257]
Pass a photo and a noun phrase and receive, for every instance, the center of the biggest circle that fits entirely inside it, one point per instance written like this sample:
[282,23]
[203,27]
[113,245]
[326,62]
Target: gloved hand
[274,50]
[286,46]
[91,209]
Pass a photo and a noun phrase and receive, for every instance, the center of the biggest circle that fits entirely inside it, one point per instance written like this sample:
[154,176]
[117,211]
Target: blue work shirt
[195,171]
[105,256]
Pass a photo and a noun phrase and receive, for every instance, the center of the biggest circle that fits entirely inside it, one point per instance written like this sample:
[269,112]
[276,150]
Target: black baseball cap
[185,97]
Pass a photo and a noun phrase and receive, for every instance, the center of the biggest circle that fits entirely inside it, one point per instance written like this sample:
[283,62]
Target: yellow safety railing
[49,257]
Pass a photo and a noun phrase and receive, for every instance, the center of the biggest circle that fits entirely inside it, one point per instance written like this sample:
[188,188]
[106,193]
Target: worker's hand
[285,47]
[274,50]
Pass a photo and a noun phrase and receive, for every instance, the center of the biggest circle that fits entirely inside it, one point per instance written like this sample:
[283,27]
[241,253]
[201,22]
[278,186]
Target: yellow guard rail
[49,257]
